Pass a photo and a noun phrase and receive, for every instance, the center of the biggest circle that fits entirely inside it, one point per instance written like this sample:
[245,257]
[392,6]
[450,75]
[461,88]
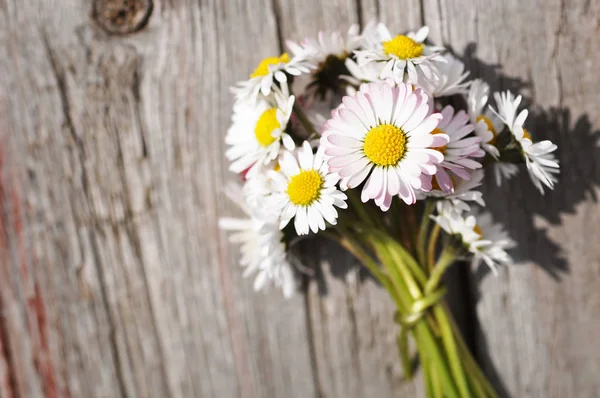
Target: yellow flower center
[490,127]
[263,68]
[305,187]
[441,149]
[385,145]
[526,134]
[403,47]
[478,230]
[267,122]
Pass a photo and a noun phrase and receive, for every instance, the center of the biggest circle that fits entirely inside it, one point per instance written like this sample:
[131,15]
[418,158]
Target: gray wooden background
[116,282]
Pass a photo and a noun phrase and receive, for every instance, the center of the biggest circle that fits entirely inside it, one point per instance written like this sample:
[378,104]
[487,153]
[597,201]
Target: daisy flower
[541,163]
[261,245]
[306,191]
[268,71]
[451,78]
[257,132]
[464,191]
[326,44]
[480,236]
[459,151]
[383,135]
[328,53]
[399,54]
[487,124]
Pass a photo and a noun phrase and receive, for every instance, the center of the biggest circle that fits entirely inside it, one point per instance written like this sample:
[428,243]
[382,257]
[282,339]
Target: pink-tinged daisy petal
[444,181]
[426,183]
[460,119]
[334,151]
[385,202]
[460,172]
[403,113]
[365,104]
[393,181]
[354,168]
[373,185]
[466,142]
[340,161]
[352,120]
[447,114]
[359,176]
[427,125]
[344,141]
[353,106]
[406,192]
[419,114]
[439,140]
[469,163]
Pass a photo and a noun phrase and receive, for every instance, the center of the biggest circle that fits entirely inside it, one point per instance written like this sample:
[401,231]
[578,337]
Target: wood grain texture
[115,281]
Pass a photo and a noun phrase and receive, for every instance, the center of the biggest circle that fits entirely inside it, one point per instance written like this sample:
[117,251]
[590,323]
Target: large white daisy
[459,151]
[268,71]
[541,163]
[399,54]
[263,251]
[305,190]
[383,135]
[451,78]
[257,132]
[481,237]
[487,124]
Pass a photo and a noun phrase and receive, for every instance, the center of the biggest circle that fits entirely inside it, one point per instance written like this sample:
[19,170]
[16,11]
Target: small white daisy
[482,238]
[459,151]
[263,251]
[382,135]
[541,163]
[464,191]
[257,132]
[268,71]
[487,124]
[400,54]
[361,74]
[326,44]
[451,78]
[305,190]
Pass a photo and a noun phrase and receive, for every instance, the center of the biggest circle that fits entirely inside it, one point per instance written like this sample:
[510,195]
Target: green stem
[433,238]
[446,259]
[452,352]
[423,232]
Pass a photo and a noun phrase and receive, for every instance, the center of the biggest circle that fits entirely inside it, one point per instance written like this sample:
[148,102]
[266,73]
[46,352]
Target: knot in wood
[122,16]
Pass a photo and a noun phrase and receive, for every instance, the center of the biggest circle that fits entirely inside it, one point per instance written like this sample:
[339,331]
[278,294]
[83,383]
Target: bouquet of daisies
[379,142]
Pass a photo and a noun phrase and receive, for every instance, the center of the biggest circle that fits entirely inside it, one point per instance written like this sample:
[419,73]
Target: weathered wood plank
[116,280]
[539,333]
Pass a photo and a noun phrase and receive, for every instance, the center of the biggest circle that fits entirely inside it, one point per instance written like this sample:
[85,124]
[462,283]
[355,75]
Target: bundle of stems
[411,271]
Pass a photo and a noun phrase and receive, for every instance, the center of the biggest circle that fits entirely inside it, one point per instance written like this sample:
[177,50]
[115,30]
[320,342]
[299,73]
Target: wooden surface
[114,279]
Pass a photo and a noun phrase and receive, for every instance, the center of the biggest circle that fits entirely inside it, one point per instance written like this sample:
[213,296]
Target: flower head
[399,54]
[262,249]
[306,191]
[257,132]
[480,236]
[451,78]
[269,71]
[382,135]
[541,163]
